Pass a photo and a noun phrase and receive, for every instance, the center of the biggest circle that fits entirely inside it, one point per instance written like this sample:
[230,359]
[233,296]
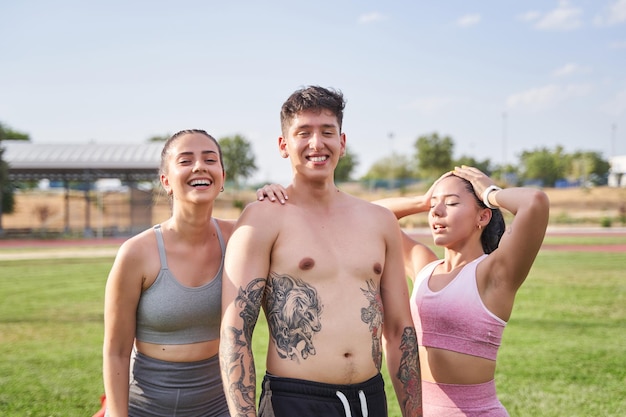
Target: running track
[108,246]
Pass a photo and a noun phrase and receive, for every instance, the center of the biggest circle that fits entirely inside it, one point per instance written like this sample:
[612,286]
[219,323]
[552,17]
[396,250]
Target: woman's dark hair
[490,238]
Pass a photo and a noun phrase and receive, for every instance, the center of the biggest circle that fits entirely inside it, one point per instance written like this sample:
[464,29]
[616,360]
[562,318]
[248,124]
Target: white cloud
[371,17]
[564,17]
[612,15]
[548,96]
[570,69]
[468,20]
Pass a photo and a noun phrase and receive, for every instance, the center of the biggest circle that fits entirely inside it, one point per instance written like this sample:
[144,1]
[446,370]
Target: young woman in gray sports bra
[163,296]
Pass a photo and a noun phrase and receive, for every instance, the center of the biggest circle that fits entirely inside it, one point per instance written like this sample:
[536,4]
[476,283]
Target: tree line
[432,155]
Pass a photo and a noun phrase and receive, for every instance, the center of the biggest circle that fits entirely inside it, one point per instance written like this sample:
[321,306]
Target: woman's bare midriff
[447,367]
[191,352]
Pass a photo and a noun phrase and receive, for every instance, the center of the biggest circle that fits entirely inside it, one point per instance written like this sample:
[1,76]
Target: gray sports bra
[170,313]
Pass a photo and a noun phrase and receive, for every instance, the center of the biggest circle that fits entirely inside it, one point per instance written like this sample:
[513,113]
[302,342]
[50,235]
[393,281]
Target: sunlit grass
[563,352]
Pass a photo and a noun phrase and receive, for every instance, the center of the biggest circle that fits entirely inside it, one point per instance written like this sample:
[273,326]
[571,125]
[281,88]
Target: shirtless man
[324,267]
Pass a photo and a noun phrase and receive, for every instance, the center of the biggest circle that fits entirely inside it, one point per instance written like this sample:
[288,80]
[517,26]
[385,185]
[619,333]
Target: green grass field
[563,353]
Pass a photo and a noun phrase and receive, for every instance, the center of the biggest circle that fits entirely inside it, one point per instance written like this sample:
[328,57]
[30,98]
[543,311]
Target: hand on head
[430,191]
[479,180]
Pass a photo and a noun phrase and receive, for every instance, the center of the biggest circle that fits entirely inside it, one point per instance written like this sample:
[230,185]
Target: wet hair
[490,237]
[312,98]
[165,153]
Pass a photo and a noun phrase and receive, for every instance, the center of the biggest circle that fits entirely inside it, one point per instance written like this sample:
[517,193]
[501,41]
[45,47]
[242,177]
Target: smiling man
[327,269]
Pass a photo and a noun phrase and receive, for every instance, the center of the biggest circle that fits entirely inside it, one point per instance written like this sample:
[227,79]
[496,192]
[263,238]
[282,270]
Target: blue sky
[498,76]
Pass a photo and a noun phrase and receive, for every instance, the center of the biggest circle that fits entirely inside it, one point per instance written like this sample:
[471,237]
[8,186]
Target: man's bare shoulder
[261,211]
[371,209]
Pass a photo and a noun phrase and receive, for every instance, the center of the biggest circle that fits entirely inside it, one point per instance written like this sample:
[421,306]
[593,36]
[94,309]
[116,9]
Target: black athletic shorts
[288,397]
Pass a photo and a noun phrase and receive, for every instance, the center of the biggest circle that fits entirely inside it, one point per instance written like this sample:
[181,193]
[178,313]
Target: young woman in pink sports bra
[461,303]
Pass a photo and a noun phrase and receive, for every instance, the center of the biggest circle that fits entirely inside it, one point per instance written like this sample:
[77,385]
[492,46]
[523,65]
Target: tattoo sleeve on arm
[409,373]
[237,360]
[373,316]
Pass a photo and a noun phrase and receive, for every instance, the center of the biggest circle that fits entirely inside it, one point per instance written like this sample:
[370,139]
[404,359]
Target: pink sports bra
[455,317]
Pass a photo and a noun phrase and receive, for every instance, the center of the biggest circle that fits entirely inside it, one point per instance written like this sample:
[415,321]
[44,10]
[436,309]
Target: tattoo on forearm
[250,302]
[241,377]
[293,313]
[409,373]
[240,392]
[373,316]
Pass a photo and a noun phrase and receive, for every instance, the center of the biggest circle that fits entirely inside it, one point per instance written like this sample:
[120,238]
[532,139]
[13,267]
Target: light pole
[613,130]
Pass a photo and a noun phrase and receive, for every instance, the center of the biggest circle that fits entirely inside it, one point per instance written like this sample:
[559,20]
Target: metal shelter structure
[85,163]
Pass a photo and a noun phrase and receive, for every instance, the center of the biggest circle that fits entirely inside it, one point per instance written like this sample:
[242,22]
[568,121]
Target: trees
[391,170]
[484,166]
[543,166]
[346,166]
[7,198]
[6,133]
[433,154]
[587,168]
[159,138]
[392,167]
[238,158]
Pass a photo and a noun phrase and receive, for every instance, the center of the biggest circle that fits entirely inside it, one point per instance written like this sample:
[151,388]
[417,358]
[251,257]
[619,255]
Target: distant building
[617,172]
[92,167]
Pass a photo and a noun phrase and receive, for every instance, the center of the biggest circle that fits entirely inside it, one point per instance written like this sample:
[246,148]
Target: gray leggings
[176,389]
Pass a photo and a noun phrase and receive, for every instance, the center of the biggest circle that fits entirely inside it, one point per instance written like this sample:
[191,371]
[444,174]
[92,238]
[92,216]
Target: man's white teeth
[199,182]
[317,158]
